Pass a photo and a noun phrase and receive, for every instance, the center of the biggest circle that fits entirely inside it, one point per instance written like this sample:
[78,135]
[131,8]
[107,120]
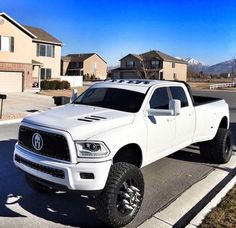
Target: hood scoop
[92,118]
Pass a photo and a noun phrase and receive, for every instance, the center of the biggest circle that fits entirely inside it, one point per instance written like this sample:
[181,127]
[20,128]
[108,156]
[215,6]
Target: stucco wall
[49,62]
[101,67]
[180,70]
[22,44]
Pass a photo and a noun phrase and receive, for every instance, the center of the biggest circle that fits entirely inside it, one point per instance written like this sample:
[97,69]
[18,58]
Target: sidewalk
[18,105]
[195,203]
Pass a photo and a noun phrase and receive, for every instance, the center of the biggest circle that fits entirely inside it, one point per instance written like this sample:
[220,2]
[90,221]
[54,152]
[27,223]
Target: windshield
[113,98]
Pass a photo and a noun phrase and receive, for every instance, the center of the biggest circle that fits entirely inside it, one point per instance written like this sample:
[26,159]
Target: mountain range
[223,67]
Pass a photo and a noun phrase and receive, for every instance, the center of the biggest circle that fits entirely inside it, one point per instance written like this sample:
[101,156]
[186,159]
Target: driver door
[161,128]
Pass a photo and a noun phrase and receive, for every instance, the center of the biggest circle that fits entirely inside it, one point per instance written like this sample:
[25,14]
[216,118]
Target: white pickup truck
[99,142]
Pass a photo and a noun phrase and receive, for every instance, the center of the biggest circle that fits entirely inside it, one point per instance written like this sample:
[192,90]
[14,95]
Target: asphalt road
[165,180]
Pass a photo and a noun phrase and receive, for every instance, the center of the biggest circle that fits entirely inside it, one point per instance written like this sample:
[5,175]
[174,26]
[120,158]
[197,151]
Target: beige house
[90,65]
[152,64]
[27,54]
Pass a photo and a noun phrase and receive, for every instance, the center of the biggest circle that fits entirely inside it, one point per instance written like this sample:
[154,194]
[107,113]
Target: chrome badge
[37,141]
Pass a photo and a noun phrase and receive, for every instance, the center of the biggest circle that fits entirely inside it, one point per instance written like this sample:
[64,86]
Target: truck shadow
[63,208]
[192,153]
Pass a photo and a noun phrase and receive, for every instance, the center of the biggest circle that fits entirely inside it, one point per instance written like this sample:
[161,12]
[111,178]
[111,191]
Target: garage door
[10,82]
[128,75]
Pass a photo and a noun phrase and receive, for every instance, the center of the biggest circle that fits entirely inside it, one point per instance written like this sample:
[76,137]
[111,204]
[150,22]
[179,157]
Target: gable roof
[42,35]
[36,34]
[81,57]
[156,55]
[4,15]
[134,55]
[161,55]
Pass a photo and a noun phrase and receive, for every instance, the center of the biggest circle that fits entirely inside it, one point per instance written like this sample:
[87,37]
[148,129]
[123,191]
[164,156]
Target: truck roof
[138,85]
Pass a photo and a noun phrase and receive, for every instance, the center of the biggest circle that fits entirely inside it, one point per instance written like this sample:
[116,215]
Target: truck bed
[201,100]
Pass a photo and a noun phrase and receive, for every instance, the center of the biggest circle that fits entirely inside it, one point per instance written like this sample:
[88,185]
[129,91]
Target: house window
[155,64]
[46,73]
[45,50]
[175,76]
[79,64]
[130,64]
[7,43]
[173,65]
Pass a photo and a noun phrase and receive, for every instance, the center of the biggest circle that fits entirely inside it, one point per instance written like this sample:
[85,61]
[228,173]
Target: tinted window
[118,99]
[179,94]
[160,99]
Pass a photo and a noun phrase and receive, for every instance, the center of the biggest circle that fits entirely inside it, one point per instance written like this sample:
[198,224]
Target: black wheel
[219,149]
[122,196]
[38,187]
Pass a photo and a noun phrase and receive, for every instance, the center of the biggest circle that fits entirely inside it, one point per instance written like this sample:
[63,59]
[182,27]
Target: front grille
[54,172]
[54,145]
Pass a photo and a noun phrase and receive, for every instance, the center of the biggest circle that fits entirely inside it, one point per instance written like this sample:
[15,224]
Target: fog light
[86,176]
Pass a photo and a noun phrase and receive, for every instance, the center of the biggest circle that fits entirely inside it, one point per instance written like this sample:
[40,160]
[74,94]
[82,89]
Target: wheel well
[224,123]
[130,153]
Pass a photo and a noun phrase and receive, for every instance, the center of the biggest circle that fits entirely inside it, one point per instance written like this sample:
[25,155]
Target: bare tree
[144,71]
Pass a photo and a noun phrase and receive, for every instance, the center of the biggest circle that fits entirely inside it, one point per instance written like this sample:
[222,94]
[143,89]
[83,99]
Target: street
[165,180]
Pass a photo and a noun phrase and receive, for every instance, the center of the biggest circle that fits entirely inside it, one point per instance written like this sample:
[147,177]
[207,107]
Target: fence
[222,85]
[75,81]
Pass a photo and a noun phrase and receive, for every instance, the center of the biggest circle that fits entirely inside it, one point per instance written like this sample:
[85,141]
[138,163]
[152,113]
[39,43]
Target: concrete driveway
[21,104]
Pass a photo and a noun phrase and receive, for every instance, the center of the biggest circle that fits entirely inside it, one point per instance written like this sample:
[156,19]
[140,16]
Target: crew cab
[99,142]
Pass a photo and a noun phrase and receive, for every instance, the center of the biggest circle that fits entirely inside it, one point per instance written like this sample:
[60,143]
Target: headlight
[91,149]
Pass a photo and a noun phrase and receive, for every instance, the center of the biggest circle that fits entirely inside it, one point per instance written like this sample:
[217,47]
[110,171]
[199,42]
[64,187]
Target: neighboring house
[152,64]
[26,54]
[88,64]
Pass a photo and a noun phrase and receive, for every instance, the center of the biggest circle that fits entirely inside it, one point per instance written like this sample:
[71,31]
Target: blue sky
[204,30]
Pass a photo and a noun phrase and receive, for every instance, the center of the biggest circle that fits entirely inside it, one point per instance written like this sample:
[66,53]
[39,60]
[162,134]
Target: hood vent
[99,117]
[92,118]
[85,120]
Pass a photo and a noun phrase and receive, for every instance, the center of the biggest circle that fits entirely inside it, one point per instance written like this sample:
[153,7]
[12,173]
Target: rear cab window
[178,93]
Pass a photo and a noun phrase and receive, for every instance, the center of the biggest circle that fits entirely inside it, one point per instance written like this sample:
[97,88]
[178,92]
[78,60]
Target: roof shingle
[42,35]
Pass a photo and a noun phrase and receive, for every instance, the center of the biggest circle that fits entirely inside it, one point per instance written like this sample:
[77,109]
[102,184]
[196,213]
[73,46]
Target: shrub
[44,85]
[55,84]
[65,84]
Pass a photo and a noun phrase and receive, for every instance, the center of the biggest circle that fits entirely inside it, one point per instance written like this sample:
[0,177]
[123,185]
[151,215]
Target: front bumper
[62,173]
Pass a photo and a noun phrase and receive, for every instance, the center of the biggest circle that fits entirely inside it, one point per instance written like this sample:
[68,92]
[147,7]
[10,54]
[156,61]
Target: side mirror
[175,106]
[160,112]
[174,109]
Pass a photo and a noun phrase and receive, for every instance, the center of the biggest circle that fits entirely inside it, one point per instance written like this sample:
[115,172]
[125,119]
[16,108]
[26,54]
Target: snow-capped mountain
[192,61]
[196,65]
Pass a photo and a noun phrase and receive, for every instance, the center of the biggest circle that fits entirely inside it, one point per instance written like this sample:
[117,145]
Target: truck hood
[81,121]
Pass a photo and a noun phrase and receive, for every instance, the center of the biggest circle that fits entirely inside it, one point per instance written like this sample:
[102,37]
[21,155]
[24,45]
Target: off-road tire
[110,209]
[38,187]
[219,149]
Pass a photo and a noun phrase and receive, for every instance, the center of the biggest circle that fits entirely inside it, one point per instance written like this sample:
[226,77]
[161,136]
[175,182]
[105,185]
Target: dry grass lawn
[224,215]
[64,92]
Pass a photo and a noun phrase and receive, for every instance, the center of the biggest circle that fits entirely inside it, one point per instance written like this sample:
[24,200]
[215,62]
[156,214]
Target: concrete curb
[3,122]
[185,205]
[197,220]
